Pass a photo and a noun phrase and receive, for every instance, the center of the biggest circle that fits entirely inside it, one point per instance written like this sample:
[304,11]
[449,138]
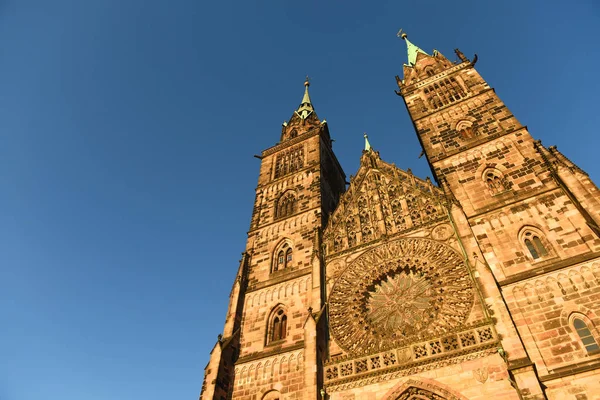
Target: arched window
[494,181]
[534,245]
[466,130]
[585,335]
[289,161]
[277,328]
[283,257]
[447,91]
[286,205]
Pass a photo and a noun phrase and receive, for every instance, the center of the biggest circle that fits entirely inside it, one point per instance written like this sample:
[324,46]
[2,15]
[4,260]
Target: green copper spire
[411,49]
[306,107]
[367,144]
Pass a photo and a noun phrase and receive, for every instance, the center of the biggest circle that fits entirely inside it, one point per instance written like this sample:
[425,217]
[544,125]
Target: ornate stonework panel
[432,351]
[442,232]
[480,374]
[416,390]
[402,300]
[352,382]
[414,393]
[382,200]
[404,290]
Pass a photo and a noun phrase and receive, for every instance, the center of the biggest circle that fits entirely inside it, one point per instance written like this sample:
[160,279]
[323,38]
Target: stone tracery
[382,200]
[402,290]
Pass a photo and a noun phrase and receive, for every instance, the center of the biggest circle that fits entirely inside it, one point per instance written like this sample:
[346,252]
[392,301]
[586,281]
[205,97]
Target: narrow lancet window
[286,205]
[278,328]
[282,257]
[494,181]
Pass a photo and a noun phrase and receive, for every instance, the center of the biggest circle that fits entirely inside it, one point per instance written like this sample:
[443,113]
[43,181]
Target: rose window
[401,291]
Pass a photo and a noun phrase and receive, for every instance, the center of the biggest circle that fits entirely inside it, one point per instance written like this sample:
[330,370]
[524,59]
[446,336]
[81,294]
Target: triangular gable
[382,200]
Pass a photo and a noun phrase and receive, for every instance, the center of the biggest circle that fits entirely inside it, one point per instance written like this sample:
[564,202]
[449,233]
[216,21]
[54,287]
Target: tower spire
[306,107]
[412,50]
[367,144]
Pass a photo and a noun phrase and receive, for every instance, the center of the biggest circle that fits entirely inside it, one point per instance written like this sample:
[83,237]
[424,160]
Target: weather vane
[399,33]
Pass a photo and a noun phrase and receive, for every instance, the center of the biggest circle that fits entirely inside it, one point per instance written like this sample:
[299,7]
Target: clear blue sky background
[126,172]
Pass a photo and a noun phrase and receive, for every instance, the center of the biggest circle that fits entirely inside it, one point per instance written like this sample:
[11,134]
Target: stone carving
[401,300]
[417,393]
[403,290]
[423,352]
[480,374]
[414,389]
[413,370]
[381,200]
[441,232]
[558,284]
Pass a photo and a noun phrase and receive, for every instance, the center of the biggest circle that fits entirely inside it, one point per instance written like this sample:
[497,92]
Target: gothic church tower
[271,346]
[533,214]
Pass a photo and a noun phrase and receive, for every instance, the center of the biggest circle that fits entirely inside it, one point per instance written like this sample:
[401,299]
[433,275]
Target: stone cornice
[280,220]
[300,138]
[284,277]
[519,198]
[549,267]
[572,369]
[408,89]
[270,353]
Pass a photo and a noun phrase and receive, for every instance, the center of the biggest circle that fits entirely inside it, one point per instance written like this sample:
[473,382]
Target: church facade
[486,283]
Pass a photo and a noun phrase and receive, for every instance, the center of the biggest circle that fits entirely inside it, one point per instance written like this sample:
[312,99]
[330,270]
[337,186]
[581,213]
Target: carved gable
[382,200]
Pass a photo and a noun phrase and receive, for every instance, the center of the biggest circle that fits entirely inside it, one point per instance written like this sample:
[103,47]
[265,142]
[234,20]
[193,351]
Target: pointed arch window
[289,161]
[466,130]
[444,92]
[277,329]
[585,335]
[283,257]
[534,245]
[286,205]
[494,180]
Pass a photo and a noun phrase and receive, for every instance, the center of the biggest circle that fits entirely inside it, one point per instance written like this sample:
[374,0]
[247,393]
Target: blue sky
[126,172]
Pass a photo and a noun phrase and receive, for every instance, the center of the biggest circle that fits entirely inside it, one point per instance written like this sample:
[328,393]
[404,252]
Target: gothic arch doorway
[414,389]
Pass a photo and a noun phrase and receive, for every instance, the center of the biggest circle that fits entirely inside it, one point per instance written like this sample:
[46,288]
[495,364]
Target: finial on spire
[307,81]
[401,34]
[367,144]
